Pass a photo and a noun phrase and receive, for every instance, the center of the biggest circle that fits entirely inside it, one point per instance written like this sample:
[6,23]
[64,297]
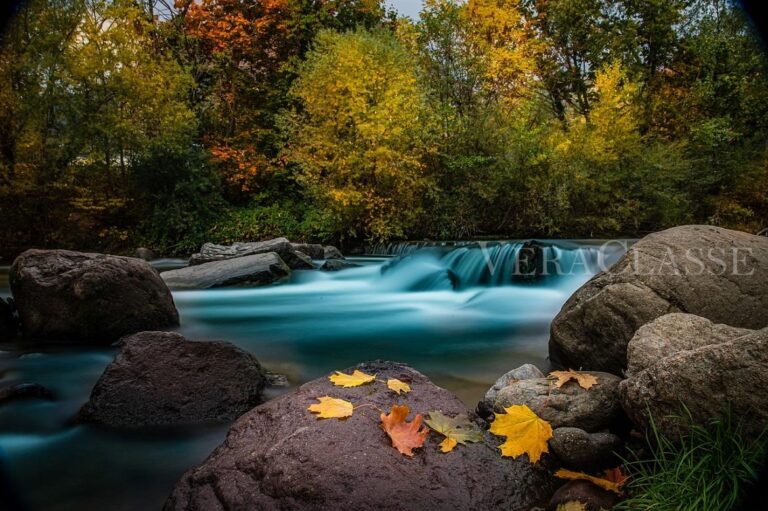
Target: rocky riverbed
[668,327]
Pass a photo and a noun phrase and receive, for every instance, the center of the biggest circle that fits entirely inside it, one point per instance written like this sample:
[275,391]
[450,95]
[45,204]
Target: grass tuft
[708,469]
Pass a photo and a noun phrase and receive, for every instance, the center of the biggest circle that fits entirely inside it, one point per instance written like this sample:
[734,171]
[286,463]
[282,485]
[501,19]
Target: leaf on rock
[602,483]
[615,475]
[526,432]
[456,430]
[585,380]
[331,408]
[355,379]
[405,436]
[573,505]
[398,386]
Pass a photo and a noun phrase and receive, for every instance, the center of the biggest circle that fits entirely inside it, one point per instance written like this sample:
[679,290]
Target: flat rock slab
[290,253]
[254,270]
[95,298]
[715,273]
[279,456]
[163,379]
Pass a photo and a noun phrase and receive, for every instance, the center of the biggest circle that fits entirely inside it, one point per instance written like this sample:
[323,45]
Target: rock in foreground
[254,270]
[279,456]
[569,405]
[706,381]
[163,379]
[73,296]
[715,273]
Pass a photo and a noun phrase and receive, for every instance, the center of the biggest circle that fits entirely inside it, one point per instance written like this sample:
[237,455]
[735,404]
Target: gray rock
[706,381]
[569,405]
[295,259]
[254,270]
[524,372]
[686,269]
[163,379]
[72,296]
[592,496]
[314,251]
[331,252]
[586,452]
[673,333]
[279,456]
[145,254]
[338,265]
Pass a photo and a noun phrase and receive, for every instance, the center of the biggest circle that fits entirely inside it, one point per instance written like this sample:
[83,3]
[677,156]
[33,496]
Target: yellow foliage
[356,379]
[398,386]
[331,408]
[585,380]
[456,430]
[602,483]
[526,433]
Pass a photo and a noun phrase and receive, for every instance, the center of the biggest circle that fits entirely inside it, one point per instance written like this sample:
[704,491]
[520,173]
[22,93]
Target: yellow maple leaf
[331,408]
[355,379]
[585,380]
[526,432]
[398,386]
[602,483]
[457,430]
[405,436]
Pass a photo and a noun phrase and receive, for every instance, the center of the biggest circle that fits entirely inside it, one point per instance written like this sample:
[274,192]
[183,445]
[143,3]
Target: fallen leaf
[398,386]
[331,408]
[405,436]
[615,475]
[602,483]
[573,505]
[526,432]
[355,379]
[585,380]
[456,430]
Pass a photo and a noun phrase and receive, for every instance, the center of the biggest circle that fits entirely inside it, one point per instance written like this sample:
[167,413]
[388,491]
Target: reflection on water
[453,313]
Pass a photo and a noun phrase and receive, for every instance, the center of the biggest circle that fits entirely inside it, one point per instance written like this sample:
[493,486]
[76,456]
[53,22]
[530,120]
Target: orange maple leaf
[585,380]
[405,436]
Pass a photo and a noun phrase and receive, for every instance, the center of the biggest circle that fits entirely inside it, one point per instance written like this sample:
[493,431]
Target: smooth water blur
[453,312]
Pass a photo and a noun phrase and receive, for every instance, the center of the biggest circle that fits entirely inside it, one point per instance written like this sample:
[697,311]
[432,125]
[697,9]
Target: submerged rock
[163,379]
[708,271]
[338,265]
[254,270]
[279,456]
[24,391]
[73,296]
[701,384]
[569,405]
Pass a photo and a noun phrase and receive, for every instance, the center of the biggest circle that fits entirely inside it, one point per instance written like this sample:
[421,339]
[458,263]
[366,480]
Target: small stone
[331,252]
[524,372]
[585,452]
[591,495]
[338,265]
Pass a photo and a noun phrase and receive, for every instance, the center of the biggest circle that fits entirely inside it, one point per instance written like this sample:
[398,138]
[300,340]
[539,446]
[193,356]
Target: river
[452,311]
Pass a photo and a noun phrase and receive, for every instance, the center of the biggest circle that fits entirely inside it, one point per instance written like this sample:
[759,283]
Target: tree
[361,133]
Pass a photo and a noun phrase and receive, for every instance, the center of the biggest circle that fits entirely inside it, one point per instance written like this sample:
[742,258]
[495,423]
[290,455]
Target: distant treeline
[148,122]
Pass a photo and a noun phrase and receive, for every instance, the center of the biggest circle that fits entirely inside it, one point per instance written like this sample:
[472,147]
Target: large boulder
[63,295]
[569,405]
[279,456]
[673,333]
[288,252]
[708,271]
[701,384]
[253,270]
[314,251]
[163,379]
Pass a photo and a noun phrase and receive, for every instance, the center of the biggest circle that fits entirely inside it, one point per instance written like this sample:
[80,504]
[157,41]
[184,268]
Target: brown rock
[279,456]
[162,379]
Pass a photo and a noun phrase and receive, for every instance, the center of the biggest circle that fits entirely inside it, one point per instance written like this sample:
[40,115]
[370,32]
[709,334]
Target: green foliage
[709,469]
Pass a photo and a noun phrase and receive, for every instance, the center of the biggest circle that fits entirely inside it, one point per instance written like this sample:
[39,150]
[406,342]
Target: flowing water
[452,310]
